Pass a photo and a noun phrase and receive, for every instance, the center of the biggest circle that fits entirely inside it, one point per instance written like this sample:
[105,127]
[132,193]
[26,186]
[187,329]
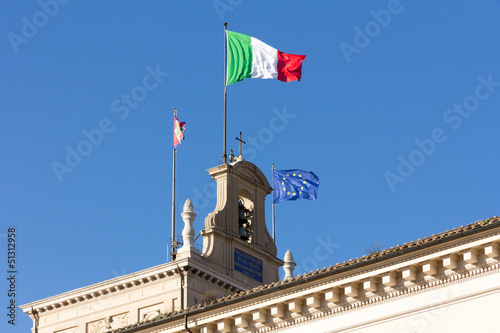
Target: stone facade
[449,282]
[229,262]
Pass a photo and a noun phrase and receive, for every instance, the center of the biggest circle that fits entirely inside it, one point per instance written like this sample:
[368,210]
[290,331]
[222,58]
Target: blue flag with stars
[294,184]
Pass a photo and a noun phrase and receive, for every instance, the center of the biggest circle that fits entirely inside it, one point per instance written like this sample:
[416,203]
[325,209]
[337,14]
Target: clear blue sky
[397,113]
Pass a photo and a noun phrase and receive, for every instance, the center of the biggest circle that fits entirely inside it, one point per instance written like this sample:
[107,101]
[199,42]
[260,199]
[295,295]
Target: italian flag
[248,57]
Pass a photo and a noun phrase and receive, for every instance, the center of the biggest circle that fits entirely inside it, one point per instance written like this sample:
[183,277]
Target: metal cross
[241,141]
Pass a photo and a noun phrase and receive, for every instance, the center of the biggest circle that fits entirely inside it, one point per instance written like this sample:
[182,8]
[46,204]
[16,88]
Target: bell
[243,231]
[242,214]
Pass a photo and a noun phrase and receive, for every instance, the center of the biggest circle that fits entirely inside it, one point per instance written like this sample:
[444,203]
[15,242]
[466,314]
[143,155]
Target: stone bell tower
[235,237]
[238,254]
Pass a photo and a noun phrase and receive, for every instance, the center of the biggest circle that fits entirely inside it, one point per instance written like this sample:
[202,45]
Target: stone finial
[289,265]
[188,206]
[188,216]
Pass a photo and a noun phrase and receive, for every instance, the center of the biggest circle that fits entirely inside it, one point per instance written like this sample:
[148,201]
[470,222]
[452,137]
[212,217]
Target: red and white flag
[179,128]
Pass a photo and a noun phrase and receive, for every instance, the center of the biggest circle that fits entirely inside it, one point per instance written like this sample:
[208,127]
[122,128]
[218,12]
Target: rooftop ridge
[429,239]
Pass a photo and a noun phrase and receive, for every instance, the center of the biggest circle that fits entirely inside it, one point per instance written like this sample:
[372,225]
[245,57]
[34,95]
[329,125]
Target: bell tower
[235,237]
[238,254]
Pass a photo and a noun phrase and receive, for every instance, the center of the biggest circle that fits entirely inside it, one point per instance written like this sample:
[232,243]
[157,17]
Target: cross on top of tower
[241,141]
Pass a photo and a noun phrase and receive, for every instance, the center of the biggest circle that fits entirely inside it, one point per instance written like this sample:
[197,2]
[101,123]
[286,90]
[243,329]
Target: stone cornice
[130,281]
[209,274]
[322,313]
[255,249]
[397,294]
[102,288]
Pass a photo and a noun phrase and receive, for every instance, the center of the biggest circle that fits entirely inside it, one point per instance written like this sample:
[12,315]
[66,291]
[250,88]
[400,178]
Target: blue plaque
[248,265]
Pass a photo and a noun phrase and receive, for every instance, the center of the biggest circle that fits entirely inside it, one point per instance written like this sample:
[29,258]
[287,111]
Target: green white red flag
[248,57]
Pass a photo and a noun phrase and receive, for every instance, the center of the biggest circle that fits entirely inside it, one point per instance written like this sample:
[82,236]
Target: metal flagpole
[274,216]
[173,245]
[224,156]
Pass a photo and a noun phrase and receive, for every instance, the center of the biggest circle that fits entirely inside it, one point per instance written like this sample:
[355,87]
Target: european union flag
[294,184]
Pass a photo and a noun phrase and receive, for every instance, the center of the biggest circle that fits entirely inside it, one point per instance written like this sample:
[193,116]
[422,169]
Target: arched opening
[245,216]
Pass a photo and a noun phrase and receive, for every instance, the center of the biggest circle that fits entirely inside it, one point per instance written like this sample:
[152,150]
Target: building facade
[449,282]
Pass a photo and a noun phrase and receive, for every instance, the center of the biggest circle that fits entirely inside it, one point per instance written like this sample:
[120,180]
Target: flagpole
[173,244]
[224,155]
[274,217]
